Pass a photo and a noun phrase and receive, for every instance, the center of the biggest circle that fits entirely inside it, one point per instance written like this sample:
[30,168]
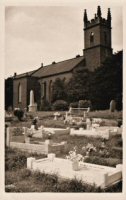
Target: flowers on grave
[88,149]
[18,131]
[74,156]
[104,153]
[19,113]
[47,134]
[29,132]
[96,122]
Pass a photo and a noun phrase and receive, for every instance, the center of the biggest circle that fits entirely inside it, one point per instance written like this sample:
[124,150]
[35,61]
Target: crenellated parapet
[98,19]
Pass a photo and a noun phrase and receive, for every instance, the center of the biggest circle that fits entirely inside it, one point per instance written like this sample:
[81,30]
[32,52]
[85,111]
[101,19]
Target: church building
[97,47]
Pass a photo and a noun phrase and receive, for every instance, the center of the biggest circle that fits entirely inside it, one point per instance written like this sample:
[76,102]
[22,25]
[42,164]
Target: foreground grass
[20,179]
[27,181]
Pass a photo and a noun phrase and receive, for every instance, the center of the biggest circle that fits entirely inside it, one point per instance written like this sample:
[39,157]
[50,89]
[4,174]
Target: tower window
[19,93]
[91,38]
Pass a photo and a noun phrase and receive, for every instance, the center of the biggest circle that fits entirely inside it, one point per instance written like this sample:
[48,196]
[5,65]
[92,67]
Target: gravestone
[33,106]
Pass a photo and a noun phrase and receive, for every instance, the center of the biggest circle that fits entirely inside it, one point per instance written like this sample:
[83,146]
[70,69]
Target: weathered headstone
[112,106]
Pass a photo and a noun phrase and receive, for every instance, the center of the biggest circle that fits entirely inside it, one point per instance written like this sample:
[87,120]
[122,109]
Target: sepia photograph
[63,103]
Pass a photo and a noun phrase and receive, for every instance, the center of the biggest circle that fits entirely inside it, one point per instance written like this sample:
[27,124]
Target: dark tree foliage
[8,92]
[58,90]
[100,86]
[78,86]
[106,83]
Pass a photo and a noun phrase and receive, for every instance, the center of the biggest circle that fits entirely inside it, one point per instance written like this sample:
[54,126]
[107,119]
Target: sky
[43,34]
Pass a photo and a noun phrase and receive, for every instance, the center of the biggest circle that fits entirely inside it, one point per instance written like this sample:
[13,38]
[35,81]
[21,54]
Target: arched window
[45,90]
[50,90]
[92,38]
[19,93]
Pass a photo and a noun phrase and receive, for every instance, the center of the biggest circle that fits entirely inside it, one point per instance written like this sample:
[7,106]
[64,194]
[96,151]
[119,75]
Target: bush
[84,103]
[18,131]
[120,142]
[45,105]
[74,105]
[60,105]
[19,114]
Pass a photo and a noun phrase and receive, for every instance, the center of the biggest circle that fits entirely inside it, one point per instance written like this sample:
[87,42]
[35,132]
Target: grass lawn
[20,179]
[47,118]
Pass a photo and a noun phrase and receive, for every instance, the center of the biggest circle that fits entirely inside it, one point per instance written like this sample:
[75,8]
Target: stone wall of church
[92,58]
[27,84]
[33,84]
[42,88]
[49,81]
[23,102]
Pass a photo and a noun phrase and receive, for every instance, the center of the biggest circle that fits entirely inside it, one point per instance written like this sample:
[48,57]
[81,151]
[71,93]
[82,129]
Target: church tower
[97,39]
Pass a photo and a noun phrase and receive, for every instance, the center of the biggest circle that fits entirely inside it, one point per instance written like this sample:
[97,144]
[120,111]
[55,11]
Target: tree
[100,86]
[106,83]
[59,90]
[78,86]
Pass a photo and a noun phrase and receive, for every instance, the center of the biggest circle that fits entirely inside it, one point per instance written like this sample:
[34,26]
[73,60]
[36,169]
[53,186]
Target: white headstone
[33,105]
[31,98]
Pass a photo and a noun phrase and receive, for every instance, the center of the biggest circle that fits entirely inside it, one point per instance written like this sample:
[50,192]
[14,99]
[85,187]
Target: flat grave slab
[90,133]
[89,173]
[102,132]
[52,131]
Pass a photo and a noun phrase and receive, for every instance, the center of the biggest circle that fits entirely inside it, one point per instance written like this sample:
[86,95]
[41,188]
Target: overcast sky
[35,35]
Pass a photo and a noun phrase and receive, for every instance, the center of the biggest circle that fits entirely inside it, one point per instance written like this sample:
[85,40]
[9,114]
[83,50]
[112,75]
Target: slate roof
[24,74]
[57,68]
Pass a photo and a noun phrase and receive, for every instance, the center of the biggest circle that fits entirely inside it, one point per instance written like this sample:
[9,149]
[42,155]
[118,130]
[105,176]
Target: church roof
[54,68]
[25,74]
[57,68]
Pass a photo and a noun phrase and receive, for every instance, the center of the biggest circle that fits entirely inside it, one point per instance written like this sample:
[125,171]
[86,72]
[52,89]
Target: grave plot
[52,131]
[101,132]
[99,175]
[90,133]
[25,144]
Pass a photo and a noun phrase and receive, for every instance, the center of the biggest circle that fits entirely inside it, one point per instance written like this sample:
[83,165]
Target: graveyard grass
[19,179]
